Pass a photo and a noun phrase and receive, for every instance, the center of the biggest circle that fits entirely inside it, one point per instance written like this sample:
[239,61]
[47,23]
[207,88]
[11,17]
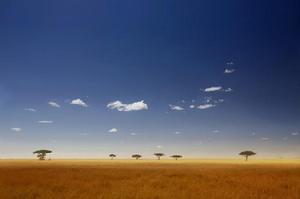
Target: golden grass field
[149,179]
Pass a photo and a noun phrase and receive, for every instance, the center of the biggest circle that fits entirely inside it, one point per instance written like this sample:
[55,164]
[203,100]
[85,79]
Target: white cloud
[159,146]
[219,101]
[228,90]
[206,106]
[228,71]
[135,106]
[176,108]
[133,134]
[54,104]
[79,102]
[265,138]
[213,89]
[192,106]
[177,133]
[296,133]
[216,131]
[45,122]
[113,130]
[30,109]
[16,129]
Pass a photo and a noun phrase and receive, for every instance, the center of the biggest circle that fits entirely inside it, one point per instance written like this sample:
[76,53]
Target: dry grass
[129,179]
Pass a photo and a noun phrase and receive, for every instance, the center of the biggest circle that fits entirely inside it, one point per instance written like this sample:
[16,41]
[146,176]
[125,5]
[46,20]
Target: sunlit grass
[150,179]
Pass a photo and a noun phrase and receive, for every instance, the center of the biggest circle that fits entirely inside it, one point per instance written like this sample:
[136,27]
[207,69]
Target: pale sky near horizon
[197,78]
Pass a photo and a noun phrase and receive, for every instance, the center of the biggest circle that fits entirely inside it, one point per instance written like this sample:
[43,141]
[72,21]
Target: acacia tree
[136,156]
[41,154]
[247,154]
[112,156]
[176,156]
[158,155]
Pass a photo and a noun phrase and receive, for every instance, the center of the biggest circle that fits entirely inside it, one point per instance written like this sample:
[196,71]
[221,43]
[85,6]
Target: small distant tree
[136,156]
[247,154]
[176,157]
[41,154]
[158,155]
[112,156]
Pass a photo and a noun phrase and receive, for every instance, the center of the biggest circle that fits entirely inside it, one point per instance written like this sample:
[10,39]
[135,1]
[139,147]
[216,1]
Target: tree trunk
[246,158]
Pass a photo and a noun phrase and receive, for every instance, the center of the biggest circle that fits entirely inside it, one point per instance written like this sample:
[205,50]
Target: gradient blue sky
[163,52]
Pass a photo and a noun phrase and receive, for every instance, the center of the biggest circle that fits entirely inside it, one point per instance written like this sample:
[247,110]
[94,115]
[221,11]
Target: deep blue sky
[163,52]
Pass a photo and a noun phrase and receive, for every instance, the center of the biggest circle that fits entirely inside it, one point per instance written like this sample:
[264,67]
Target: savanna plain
[149,179]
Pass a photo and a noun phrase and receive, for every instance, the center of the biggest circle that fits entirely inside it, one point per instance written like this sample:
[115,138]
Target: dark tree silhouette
[136,156]
[247,154]
[41,154]
[176,156]
[158,155]
[112,156]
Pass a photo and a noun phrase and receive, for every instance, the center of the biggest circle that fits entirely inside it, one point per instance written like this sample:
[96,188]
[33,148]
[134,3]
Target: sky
[203,79]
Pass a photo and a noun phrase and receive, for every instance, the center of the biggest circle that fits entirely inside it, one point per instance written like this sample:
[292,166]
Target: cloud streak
[30,109]
[228,71]
[206,106]
[54,104]
[113,130]
[45,122]
[79,102]
[135,106]
[16,129]
[213,89]
[176,108]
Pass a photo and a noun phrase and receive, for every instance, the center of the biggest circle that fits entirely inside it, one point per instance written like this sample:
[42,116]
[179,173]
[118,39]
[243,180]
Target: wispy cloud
[79,102]
[176,108]
[177,133]
[83,134]
[16,129]
[133,134]
[192,106]
[216,131]
[113,130]
[294,134]
[30,109]
[206,106]
[54,104]
[45,122]
[228,90]
[135,106]
[228,71]
[219,101]
[265,138]
[213,89]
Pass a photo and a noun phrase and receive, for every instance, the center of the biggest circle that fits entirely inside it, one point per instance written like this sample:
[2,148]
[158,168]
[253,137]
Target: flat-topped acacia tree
[176,157]
[158,155]
[247,154]
[112,156]
[136,156]
[41,154]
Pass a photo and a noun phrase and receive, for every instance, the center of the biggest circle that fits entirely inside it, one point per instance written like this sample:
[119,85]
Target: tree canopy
[41,154]
[112,156]
[136,156]
[159,155]
[176,156]
[247,154]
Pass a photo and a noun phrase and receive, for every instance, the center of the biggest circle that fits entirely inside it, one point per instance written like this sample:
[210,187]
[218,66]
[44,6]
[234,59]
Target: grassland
[149,179]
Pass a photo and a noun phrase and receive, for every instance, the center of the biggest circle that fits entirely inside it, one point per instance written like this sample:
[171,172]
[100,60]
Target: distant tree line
[41,155]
